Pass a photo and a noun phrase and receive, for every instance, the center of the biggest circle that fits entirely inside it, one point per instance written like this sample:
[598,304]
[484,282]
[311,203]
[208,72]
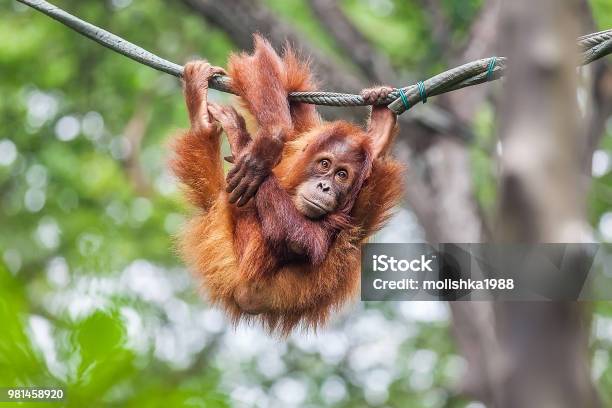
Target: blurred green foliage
[92,296]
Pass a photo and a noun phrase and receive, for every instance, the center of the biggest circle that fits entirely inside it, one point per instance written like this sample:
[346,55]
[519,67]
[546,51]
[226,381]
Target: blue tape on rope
[422,91]
[404,98]
[491,68]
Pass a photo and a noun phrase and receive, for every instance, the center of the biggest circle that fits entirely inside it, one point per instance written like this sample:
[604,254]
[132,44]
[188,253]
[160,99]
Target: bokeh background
[92,295]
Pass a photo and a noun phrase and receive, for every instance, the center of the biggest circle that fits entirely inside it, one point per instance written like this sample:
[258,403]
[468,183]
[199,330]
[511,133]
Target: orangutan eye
[324,164]
[342,174]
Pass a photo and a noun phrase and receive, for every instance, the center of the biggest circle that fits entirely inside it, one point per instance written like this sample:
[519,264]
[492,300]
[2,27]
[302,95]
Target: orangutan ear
[381,130]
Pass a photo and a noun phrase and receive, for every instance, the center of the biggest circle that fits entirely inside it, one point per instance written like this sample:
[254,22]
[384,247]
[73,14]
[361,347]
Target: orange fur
[265,67]
[298,294]
[197,163]
[223,244]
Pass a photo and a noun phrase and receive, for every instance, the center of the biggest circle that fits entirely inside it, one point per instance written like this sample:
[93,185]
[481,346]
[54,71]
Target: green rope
[404,99]
[491,69]
[594,46]
[422,91]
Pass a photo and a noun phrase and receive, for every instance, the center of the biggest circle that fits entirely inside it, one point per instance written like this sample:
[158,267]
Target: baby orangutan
[291,255]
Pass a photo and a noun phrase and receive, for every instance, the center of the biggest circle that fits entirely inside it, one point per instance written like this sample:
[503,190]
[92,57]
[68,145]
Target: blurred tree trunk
[373,64]
[441,30]
[544,345]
